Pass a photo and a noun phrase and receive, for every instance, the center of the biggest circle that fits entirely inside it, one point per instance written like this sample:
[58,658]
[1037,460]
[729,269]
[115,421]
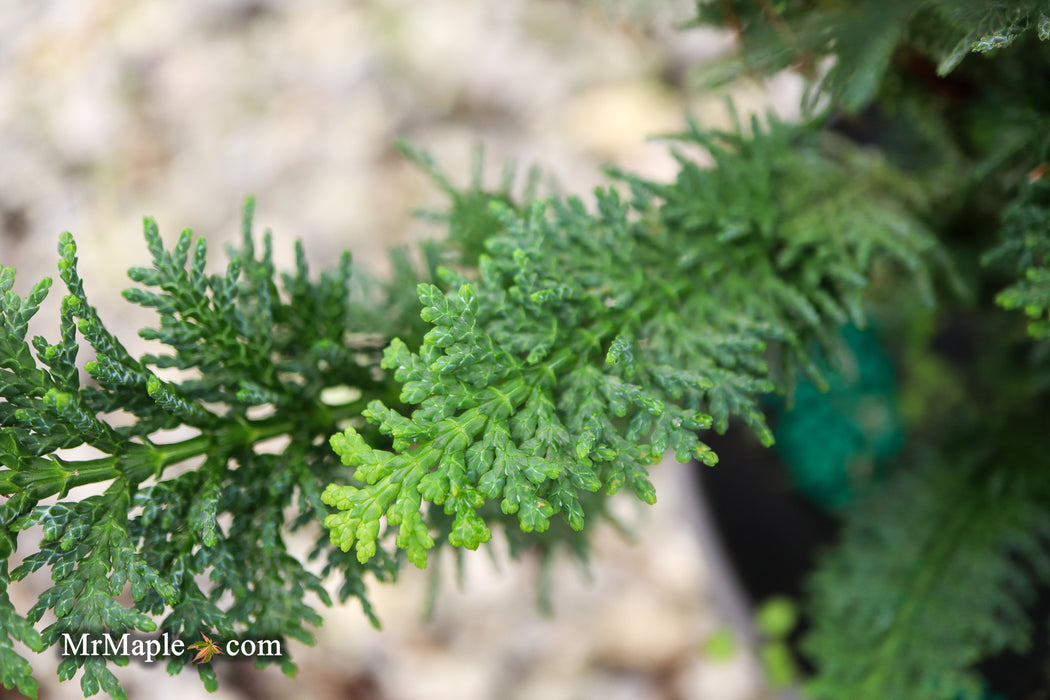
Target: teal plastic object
[836,442]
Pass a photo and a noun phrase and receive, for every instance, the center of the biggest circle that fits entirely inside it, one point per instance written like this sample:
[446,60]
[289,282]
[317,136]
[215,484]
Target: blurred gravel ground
[113,109]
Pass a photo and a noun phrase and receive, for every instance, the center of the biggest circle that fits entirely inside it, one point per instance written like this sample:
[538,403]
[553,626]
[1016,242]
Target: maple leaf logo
[205,650]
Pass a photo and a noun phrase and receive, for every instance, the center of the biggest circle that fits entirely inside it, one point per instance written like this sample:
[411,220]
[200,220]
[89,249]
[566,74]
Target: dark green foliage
[866,37]
[938,564]
[1025,247]
[242,346]
[933,575]
[17,672]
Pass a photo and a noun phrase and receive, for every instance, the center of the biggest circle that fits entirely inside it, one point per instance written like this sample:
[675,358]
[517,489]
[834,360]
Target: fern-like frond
[1025,248]
[592,342]
[932,575]
[204,550]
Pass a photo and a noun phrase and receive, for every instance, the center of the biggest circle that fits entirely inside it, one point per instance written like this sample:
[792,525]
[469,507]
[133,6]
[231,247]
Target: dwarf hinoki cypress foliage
[242,342]
[548,352]
[590,343]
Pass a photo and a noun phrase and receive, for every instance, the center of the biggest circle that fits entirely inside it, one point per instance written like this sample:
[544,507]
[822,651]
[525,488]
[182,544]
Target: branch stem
[139,463]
